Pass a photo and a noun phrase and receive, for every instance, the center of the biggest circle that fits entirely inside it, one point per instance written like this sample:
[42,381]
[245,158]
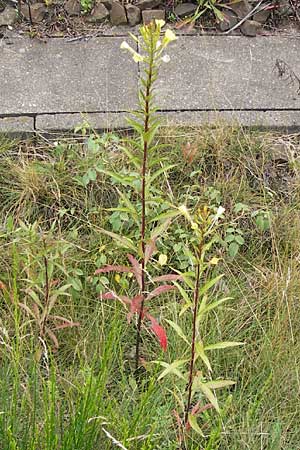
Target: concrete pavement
[48,86]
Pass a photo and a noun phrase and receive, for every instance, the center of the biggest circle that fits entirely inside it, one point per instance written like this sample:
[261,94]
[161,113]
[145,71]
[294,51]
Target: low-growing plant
[41,279]
[86,5]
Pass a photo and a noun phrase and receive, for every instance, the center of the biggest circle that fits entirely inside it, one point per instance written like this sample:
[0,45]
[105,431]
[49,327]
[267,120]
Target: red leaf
[160,290]
[136,269]
[177,417]
[135,307]
[53,338]
[189,152]
[67,324]
[150,249]
[3,286]
[112,296]
[168,277]
[112,268]
[159,332]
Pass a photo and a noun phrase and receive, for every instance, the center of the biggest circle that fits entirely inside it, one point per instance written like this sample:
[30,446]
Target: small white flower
[219,212]
[183,209]
[166,59]
[158,44]
[136,56]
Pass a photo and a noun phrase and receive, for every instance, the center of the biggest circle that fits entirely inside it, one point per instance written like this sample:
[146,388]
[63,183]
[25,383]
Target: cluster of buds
[157,25]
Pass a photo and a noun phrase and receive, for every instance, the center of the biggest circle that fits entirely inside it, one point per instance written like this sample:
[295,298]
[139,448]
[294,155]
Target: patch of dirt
[76,18]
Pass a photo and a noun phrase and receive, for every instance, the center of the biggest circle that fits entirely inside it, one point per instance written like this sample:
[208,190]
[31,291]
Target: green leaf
[194,424]
[233,249]
[213,305]
[172,368]
[160,229]
[239,239]
[76,284]
[185,296]
[218,384]
[92,174]
[225,344]
[178,330]
[132,158]
[198,385]
[122,240]
[166,215]
[200,353]
[209,284]
[137,126]
[160,171]
[229,238]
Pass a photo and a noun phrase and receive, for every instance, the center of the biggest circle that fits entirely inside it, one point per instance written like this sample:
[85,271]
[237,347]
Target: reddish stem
[192,360]
[143,224]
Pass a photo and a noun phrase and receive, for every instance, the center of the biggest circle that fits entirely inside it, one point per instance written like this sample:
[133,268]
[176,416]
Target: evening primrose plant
[193,370]
[147,165]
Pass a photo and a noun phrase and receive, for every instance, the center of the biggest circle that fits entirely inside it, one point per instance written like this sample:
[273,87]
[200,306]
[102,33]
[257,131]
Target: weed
[146,125]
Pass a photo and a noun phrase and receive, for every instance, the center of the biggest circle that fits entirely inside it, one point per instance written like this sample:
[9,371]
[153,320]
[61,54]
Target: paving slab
[229,72]
[209,78]
[63,122]
[16,125]
[61,76]
[281,120]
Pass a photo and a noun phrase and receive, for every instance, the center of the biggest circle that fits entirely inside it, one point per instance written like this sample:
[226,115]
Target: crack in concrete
[163,111]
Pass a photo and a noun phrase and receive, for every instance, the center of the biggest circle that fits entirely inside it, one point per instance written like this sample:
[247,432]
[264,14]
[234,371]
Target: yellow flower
[214,261]
[183,209]
[194,226]
[162,260]
[136,56]
[169,37]
[117,278]
[160,23]
[125,46]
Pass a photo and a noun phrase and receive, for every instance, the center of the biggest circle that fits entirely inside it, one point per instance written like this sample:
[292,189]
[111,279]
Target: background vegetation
[67,356]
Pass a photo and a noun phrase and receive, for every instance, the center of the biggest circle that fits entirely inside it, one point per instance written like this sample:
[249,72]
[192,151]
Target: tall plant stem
[143,198]
[47,295]
[192,360]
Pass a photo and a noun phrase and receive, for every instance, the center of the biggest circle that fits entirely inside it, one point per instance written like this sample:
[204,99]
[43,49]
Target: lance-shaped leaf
[200,353]
[199,385]
[160,172]
[113,268]
[159,332]
[150,249]
[209,284]
[225,344]
[218,384]
[66,323]
[178,330]
[160,290]
[172,368]
[122,240]
[135,307]
[113,296]
[136,269]
[167,277]
[192,420]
